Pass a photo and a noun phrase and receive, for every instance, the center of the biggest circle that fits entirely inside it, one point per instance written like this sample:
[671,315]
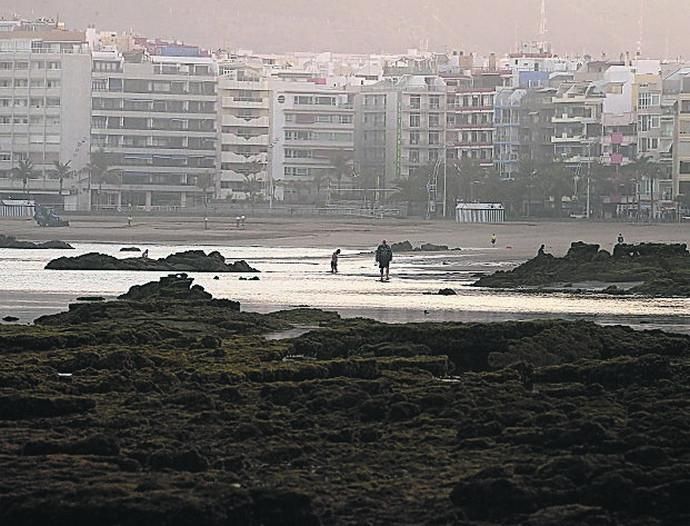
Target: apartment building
[244,113]
[400,128]
[312,140]
[44,105]
[681,142]
[577,122]
[470,116]
[154,119]
[508,122]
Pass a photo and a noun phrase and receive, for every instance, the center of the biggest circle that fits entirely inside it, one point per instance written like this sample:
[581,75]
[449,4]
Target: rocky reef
[188,261]
[12,242]
[406,246]
[653,269]
[172,408]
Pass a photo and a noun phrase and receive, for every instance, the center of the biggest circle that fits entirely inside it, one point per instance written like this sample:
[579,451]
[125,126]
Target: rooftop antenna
[640,28]
[542,22]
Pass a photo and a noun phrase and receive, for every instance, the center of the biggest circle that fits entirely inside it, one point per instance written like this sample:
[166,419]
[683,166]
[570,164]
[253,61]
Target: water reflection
[300,277]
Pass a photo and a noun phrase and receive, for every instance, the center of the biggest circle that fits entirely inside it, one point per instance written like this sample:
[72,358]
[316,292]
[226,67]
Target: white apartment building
[155,120]
[577,123]
[44,107]
[312,141]
[244,105]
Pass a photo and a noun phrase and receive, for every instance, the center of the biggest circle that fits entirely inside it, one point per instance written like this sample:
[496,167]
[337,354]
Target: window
[414,137]
[414,156]
[303,99]
[434,120]
[296,171]
[434,102]
[298,135]
[646,100]
[415,120]
[648,122]
[415,102]
[434,138]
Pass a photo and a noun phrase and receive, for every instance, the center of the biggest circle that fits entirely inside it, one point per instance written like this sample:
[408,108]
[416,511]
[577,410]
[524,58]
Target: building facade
[44,107]
[312,140]
[154,121]
[244,114]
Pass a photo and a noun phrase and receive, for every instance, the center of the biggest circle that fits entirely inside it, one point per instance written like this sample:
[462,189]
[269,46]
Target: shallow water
[300,277]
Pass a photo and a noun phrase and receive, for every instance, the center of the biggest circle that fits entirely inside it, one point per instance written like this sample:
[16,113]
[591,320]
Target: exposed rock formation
[663,269]
[12,242]
[189,261]
[173,411]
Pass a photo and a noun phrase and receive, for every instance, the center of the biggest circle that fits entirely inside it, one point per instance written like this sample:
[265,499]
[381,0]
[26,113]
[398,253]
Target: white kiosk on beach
[479,213]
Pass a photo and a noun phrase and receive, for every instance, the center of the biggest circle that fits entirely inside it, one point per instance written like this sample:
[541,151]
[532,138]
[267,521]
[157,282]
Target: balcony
[231,138]
[232,120]
[567,138]
[244,102]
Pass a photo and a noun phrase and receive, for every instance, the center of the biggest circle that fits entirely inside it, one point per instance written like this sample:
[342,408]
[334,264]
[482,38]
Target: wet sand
[518,240]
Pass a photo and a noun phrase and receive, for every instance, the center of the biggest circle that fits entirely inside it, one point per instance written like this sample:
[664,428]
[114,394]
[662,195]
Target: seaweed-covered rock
[190,260]
[12,242]
[430,247]
[664,270]
[174,286]
[130,249]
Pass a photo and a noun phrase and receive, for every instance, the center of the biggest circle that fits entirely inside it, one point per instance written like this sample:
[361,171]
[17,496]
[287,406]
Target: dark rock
[430,247]
[191,260]
[130,249]
[10,318]
[402,246]
[253,278]
[663,269]
[189,460]
[98,445]
[447,292]
[90,298]
[12,242]
[174,286]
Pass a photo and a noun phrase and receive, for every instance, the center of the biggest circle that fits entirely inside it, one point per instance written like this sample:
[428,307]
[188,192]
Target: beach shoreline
[520,239]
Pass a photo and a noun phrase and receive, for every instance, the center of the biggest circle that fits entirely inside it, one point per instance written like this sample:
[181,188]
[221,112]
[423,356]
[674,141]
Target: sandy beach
[522,239]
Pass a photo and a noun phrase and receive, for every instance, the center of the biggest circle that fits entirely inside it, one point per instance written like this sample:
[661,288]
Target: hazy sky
[573,26]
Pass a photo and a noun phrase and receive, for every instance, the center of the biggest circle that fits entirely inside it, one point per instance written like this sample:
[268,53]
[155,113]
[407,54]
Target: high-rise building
[312,142]
[577,123]
[400,128]
[244,106]
[154,120]
[470,118]
[44,106]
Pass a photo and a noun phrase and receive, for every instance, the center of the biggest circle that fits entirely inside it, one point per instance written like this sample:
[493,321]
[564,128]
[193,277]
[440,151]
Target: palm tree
[252,186]
[412,189]
[341,162]
[61,171]
[204,182]
[100,172]
[23,172]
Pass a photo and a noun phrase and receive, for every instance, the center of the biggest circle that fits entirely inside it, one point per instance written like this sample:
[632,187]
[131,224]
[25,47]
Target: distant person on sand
[334,261]
[620,238]
[145,254]
[541,252]
[493,240]
[384,255]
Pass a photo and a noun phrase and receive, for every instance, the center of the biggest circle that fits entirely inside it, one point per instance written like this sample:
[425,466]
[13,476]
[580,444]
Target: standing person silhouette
[334,261]
[384,255]
[493,240]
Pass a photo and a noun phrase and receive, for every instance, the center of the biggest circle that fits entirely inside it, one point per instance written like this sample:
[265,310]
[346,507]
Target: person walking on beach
[384,255]
[620,238]
[493,240]
[334,261]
